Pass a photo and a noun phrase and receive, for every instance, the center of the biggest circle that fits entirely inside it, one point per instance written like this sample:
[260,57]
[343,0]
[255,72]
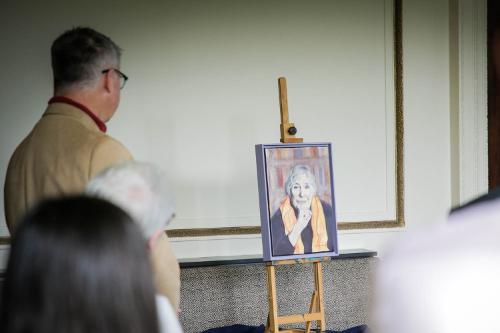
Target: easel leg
[272,319]
[268,326]
[312,308]
[316,308]
[318,279]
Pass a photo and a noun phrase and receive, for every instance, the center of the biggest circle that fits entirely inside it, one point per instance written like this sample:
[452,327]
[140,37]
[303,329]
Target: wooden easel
[316,307]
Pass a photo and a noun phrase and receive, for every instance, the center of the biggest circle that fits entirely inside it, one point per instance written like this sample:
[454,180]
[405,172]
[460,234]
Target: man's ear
[152,240]
[108,81]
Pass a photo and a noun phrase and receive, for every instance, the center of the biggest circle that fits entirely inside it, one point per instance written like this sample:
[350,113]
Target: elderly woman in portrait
[303,222]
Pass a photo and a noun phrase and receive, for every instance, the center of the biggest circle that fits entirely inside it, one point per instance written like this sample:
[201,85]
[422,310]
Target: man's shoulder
[108,144]
[74,129]
[107,152]
[76,139]
[63,130]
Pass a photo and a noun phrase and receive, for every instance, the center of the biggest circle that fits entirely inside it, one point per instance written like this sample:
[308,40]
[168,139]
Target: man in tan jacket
[141,191]
[68,145]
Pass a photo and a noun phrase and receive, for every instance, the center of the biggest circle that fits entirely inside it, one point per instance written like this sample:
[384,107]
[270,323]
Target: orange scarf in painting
[318,224]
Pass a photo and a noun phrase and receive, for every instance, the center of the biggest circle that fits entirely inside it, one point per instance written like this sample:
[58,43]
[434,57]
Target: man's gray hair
[299,170]
[138,188]
[80,55]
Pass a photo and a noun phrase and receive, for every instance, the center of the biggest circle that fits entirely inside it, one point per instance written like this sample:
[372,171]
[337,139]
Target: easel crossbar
[291,319]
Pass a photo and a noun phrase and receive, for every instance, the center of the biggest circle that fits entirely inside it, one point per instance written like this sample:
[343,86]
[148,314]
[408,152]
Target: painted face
[302,192]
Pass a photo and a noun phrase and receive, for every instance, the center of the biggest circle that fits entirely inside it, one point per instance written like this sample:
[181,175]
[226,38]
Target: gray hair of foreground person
[138,188]
[444,278]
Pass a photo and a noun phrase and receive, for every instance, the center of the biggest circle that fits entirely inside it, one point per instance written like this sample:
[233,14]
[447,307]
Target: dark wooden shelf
[256,259]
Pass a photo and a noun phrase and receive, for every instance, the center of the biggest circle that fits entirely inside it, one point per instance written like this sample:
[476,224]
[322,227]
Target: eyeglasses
[123,77]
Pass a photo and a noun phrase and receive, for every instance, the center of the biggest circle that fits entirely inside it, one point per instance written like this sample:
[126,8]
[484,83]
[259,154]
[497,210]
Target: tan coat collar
[66,110]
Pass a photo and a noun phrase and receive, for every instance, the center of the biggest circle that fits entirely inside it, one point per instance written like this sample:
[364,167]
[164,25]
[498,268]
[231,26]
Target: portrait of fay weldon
[296,199]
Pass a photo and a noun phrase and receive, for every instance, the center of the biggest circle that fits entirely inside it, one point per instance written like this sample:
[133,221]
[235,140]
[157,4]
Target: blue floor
[260,329]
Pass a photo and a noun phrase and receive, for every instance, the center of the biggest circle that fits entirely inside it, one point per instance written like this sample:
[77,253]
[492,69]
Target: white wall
[26,32]
[427,105]
[427,135]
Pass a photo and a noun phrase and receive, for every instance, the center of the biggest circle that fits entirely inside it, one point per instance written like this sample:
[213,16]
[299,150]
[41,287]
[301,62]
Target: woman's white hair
[140,189]
[299,170]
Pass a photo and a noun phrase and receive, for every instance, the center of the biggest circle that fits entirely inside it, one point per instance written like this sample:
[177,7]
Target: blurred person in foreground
[79,264]
[443,279]
[141,190]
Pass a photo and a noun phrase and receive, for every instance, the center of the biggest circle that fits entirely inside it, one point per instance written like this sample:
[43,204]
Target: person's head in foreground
[301,187]
[78,264]
[443,279]
[141,190]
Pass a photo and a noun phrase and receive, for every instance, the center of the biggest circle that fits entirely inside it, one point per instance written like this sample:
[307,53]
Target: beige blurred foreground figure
[444,279]
[141,190]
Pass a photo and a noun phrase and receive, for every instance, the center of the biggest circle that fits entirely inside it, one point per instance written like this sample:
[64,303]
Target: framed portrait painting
[296,199]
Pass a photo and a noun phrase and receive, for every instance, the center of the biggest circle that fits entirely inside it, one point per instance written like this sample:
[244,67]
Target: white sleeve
[167,319]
